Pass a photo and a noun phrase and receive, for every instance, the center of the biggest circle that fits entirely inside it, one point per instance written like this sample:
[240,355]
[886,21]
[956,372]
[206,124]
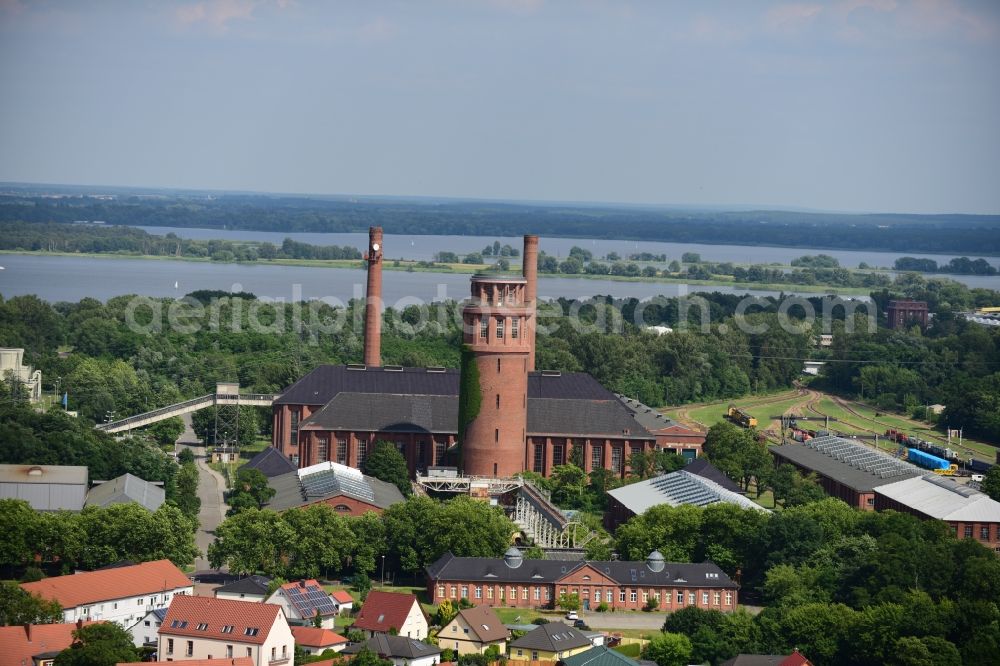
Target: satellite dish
[375,246]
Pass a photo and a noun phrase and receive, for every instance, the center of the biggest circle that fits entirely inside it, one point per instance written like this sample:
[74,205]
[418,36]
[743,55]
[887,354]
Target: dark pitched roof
[250,585]
[552,637]
[557,416]
[271,462]
[385,645]
[650,419]
[125,489]
[707,470]
[386,412]
[600,655]
[320,481]
[383,611]
[794,659]
[853,477]
[322,384]
[486,569]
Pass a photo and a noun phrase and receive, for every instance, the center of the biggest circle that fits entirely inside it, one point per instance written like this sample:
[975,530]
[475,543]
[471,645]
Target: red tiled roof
[16,649]
[218,614]
[314,637]
[342,597]
[90,587]
[233,661]
[383,611]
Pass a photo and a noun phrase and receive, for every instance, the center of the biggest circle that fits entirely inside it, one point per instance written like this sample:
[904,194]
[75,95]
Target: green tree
[568,601]
[251,541]
[445,612]
[667,649]
[17,520]
[250,489]
[991,483]
[19,607]
[387,464]
[99,644]
[924,651]
[569,485]
[738,454]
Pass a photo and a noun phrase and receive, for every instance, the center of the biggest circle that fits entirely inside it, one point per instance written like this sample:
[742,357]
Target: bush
[32,575]
[602,607]
[540,620]
[652,604]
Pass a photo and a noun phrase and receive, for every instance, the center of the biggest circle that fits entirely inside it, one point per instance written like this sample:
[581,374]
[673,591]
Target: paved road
[210,489]
[624,620]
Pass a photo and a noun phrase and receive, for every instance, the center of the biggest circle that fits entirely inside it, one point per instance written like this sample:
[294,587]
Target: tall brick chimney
[373,299]
[529,269]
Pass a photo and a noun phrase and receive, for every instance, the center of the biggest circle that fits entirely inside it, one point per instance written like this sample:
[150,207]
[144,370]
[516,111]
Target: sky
[845,105]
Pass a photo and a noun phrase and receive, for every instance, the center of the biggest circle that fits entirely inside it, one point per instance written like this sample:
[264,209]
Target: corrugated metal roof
[124,489]
[943,499]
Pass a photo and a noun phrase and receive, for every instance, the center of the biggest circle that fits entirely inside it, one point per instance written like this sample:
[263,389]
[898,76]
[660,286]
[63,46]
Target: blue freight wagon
[924,459]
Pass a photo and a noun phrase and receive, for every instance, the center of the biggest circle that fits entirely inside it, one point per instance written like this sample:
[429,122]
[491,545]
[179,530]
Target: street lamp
[383,571]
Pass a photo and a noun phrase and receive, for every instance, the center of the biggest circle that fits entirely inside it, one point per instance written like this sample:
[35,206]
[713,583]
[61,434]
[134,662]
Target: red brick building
[903,313]
[516,582]
[345,489]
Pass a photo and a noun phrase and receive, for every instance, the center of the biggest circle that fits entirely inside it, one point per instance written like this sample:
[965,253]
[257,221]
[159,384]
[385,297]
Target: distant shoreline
[409,266]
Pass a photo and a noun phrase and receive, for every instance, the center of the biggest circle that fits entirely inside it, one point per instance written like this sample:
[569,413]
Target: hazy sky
[877,105]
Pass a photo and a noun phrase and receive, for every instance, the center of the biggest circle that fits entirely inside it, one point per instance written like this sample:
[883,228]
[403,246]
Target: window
[984,533]
[515,326]
[342,508]
[645,596]
[146,623]
[716,598]
[500,327]
[968,531]
[170,646]
[621,596]
[609,597]
[729,598]
[557,454]
[534,655]
[341,450]
[362,452]
[322,449]
[295,425]
[691,598]
[441,591]
[498,401]
[249,652]
[190,649]
[537,594]
[274,653]
[479,591]
[454,591]
[548,594]
[228,629]
[202,626]
[680,597]
[616,459]
[251,631]
[465,591]
[704,598]
[520,652]
[489,592]
[631,596]
[496,435]
[539,457]
[139,601]
[229,650]
[439,450]
[870,501]
[596,457]
[524,593]
[597,596]
[484,327]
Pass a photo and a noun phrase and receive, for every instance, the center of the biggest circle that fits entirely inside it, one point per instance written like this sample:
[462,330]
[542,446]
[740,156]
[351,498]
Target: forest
[913,233]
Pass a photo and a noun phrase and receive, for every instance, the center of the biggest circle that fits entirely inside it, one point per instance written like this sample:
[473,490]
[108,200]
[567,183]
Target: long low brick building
[517,582]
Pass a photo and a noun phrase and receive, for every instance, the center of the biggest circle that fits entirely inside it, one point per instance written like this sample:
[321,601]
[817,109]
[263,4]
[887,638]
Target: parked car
[572,616]
[580,624]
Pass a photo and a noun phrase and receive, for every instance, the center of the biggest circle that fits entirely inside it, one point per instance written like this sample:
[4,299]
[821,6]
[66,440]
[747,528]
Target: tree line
[903,232]
[957,265]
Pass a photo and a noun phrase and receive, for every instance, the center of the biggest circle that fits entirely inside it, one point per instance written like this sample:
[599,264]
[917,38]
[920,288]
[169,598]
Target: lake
[55,278]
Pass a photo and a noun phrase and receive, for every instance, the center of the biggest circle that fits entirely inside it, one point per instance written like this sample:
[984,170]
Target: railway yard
[847,418]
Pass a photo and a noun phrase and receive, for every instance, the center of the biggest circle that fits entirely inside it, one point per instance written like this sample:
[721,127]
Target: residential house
[35,644]
[251,588]
[384,612]
[599,655]
[342,600]
[623,585]
[473,631]
[549,642]
[207,628]
[236,661]
[125,489]
[144,632]
[121,594]
[303,600]
[316,641]
[400,650]
[794,659]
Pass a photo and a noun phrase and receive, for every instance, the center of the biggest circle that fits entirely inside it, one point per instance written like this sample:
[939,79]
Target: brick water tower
[493,396]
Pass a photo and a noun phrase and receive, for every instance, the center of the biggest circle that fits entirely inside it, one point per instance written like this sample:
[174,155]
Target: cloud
[219,14]
[791,18]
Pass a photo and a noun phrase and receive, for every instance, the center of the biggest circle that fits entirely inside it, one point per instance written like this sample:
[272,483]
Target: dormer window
[202,626]
[228,629]
[251,631]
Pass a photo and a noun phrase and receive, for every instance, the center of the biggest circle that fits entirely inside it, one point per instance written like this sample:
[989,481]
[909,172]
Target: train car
[928,461]
[979,466]
[740,417]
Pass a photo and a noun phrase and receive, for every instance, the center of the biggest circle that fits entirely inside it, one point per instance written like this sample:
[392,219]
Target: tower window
[498,365]
[514,327]
[496,435]
[500,327]
[484,327]
[498,401]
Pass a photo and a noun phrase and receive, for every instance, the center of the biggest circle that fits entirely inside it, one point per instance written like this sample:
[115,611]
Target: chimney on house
[529,269]
[373,300]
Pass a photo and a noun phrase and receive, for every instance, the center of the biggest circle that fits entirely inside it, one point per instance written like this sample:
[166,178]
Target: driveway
[629,620]
[210,488]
